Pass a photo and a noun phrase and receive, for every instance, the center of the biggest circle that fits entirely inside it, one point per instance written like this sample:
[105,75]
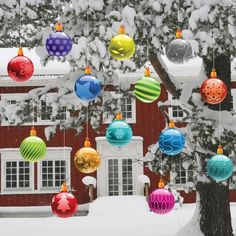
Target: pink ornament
[161,201]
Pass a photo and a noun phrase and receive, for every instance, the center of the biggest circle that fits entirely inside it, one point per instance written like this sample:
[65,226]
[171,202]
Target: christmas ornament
[119,133]
[58,43]
[213,90]
[64,204]
[147,89]
[179,50]
[87,87]
[20,68]
[219,167]
[87,159]
[33,148]
[171,141]
[161,201]
[122,47]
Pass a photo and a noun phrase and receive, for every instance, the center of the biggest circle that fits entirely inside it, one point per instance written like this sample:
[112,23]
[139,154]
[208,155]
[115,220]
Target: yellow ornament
[122,47]
[87,159]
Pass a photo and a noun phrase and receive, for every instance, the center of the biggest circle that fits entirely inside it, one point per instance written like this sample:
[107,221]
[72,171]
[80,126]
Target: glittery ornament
[87,159]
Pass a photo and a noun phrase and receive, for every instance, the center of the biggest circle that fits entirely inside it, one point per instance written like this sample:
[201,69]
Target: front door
[119,176]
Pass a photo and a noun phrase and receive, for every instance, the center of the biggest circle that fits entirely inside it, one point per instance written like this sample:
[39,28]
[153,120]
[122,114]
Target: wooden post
[146,188]
[91,192]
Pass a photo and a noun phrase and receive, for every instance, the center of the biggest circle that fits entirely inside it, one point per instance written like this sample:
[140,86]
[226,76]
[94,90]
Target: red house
[26,184]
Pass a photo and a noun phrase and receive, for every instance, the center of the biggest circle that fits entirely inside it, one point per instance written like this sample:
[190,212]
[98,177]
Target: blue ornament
[87,87]
[171,141]
[220,167]
[119,133]
[58,43]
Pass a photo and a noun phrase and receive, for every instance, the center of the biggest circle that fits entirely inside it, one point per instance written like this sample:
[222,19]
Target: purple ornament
[58,43]
[161,201]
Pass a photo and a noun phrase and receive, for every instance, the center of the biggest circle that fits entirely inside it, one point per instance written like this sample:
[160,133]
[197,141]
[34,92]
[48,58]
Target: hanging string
[20,23]
[87,34]
[87,120]
[213,49]
[161,164]
[33,111]
[178,14]
[220,123]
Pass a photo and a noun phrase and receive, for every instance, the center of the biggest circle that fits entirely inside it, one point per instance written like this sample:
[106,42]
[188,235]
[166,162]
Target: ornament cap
[213,73]
[122,29]
[33,131]
[119,116]
[147,72]
[161,183]
[87,142]
[171,124]
[58,27]
[64,187]
[220,150]
[179,34]
[87,70]
[20,52]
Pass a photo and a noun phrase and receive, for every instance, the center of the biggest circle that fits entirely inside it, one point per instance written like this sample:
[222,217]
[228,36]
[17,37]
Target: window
[175,111]
[54,169]
[183,176]
[53,173]
[43,110]
[128,108]
[127,172]
[17,175]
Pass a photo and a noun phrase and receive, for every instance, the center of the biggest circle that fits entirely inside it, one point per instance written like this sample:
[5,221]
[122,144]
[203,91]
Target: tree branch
[165,79]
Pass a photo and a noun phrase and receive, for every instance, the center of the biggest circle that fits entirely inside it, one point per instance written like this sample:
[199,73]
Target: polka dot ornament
[219,167]
[161,201]
[59,43]
[33,148]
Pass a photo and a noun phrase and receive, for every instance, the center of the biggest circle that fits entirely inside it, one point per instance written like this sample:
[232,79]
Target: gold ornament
[121,47]
[87,159]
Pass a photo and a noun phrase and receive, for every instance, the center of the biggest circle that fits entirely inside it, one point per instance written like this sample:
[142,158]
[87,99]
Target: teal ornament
[171,141]
[220,167]
[119,133]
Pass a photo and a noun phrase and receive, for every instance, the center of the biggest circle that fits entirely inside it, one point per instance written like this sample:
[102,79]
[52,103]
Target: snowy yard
[114,216]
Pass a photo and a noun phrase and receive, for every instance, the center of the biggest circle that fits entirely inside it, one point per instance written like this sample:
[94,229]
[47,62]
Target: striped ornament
[147,89]
[33,149]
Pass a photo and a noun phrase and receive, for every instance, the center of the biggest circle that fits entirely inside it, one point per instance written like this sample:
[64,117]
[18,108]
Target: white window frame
[233,92]
[39,121]
[46,122]
[174,103]
[54,154]
[134,151]
[14,155]
[180,186]
[128,120]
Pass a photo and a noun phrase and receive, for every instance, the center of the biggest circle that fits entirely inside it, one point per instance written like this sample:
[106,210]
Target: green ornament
[33,148]
[147,89]
[122,47]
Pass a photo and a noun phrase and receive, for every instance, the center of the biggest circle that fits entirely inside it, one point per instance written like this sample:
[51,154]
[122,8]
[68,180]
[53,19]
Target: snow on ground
[116,216]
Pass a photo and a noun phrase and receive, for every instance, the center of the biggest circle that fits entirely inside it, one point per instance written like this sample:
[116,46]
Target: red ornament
[64,204]
[213,90]
[20,68]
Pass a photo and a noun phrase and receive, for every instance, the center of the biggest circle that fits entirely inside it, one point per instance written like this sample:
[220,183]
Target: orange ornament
[213,90]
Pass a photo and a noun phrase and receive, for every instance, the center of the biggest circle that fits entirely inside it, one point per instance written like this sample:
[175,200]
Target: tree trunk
[215,218]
